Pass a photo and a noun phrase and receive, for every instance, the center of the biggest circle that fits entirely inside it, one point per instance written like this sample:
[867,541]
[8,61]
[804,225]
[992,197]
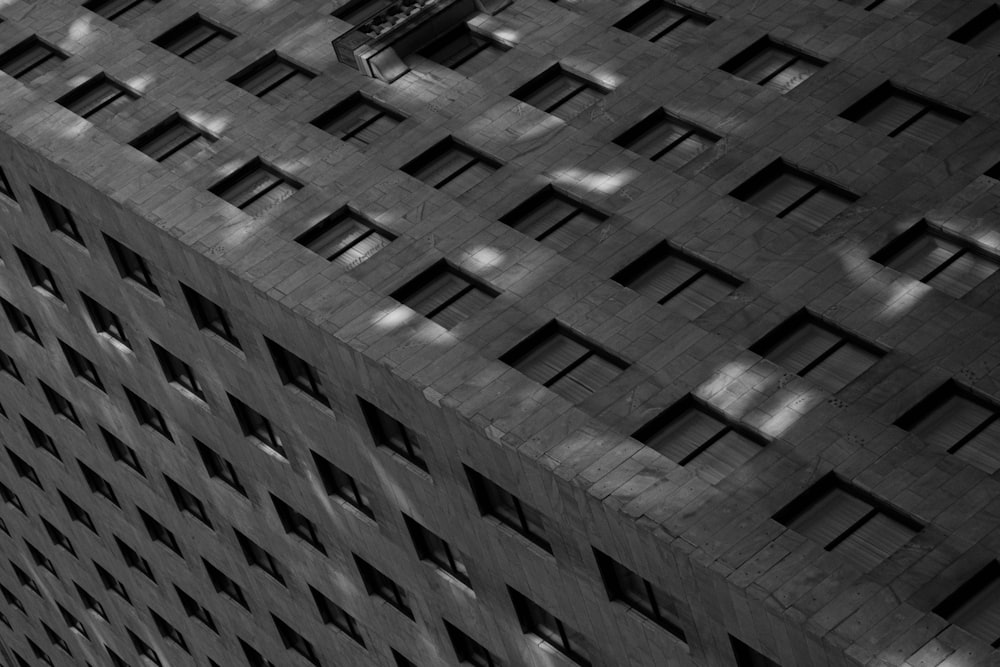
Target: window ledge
[122,347]
[356,511]
[676,642]
[452,579]
[504,528]
[407,463]
[221,340]
[190,395]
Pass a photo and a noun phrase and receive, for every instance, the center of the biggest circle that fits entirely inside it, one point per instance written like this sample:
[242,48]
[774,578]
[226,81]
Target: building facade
[534,333]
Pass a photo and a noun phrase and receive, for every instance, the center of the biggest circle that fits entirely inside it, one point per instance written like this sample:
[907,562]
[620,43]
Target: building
[527,334]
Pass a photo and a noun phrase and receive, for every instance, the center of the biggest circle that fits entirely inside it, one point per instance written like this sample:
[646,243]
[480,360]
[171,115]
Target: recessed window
[209,316]
[98,99]
[98,484]
[219,468]
[90,603]
[432,548]
[898,113]
[77,513]
[5,188]
[25,580]
[748,657]
[58,217]
[40,438]
[468,650]
[848,521]
[560,93]
[10,498]
[345,238]
[20,322]
[339,483]
[333,614]
[58,539]
[293,641]
[359,11]
[12,599]
[59,405]
[508,509]
[116,660]
[464,50]
[563,361]
[954,266]
[773,65]
[55,639]
[673,278]
[120,11]
[451,167]
[225,585]
[553,218]
[147,415]
[809,347]
[955,419]
[187,501]
[194,39]
[39,653]
[975,605]
[173,141]
[168,631]
[24,469]
[160,533]
[31,59]
[72,622]
[983,31]
[869,5]
[296,371]
[256,426]
[402,661]
[665,23]
[255,187]
[145,651]
[112,584]
[105,321]
[39,275]
[297,524]
[626,586]
[195,610]
[81,366]
[786,192]
[8,366]
[253,656]
[177,371]
[358,120]
[258,557]
[130,265]
[272,77]
[392,434]
[445,295]
[539,622]
[378,584]
[667,140]
[121,452]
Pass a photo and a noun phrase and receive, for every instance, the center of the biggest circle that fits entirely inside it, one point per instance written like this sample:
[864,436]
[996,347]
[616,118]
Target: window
[747,657]
[194,39]
[98,484]
[898,113]
[665,23]
[378,584]
[869,5]
[90,603]
[25,581]
[39,653]
[195,610]
[225,585]
[187,501]
[848,521]
[345,238]
[294,641]
[24,469]
[219,468]
[564,362]
[809,347]
[359,11]
[256,426]
[173,141]
[105,321]
[30,59]
[392,434]
[81,366]
[626,586]
[168,631]
[159,533]
[130,265]
[468,650]
[464,50]
[955,419]
[431,547]
[40,438]
[333,615]
[147,415]
[446,295]
[773,65]
[98,99]
[554,218]
[20,322]
[121,452]
[451,167]
[339,483]
[665,139]
[983,31]
[41,560]
[133,559]
[953,265]
[296,371]
[786,192]
[975,605]
[508,509]
[559,92]
[258,557]
[39,275]
[8,366]
[58,217]
[119,10]
[5,188]
[296,523]
[59,405]
[58,538]
[400,660]
[253,656]
[10,498]
[553,631]
[144,650]
[12,599]
[272,77]
[671,277]
[358,120]
[210,317]
[177,372]
[77,513]
[255,187]
[116,660]
[72,622]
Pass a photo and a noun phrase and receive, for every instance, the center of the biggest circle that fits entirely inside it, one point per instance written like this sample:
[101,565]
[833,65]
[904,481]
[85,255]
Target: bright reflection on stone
[394,317]
[214,124]
[79,29]
[486,256]
[595,180]
[140,83]
[508,35]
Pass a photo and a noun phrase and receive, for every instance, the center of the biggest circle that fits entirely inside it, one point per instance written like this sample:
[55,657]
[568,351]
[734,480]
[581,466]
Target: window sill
[453,580]
[122,347]
[360,513]
[145,291]
[49,296]
[225,342]
[676,642]
[69,240]
[531,545]
[188,394]
[407,463]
